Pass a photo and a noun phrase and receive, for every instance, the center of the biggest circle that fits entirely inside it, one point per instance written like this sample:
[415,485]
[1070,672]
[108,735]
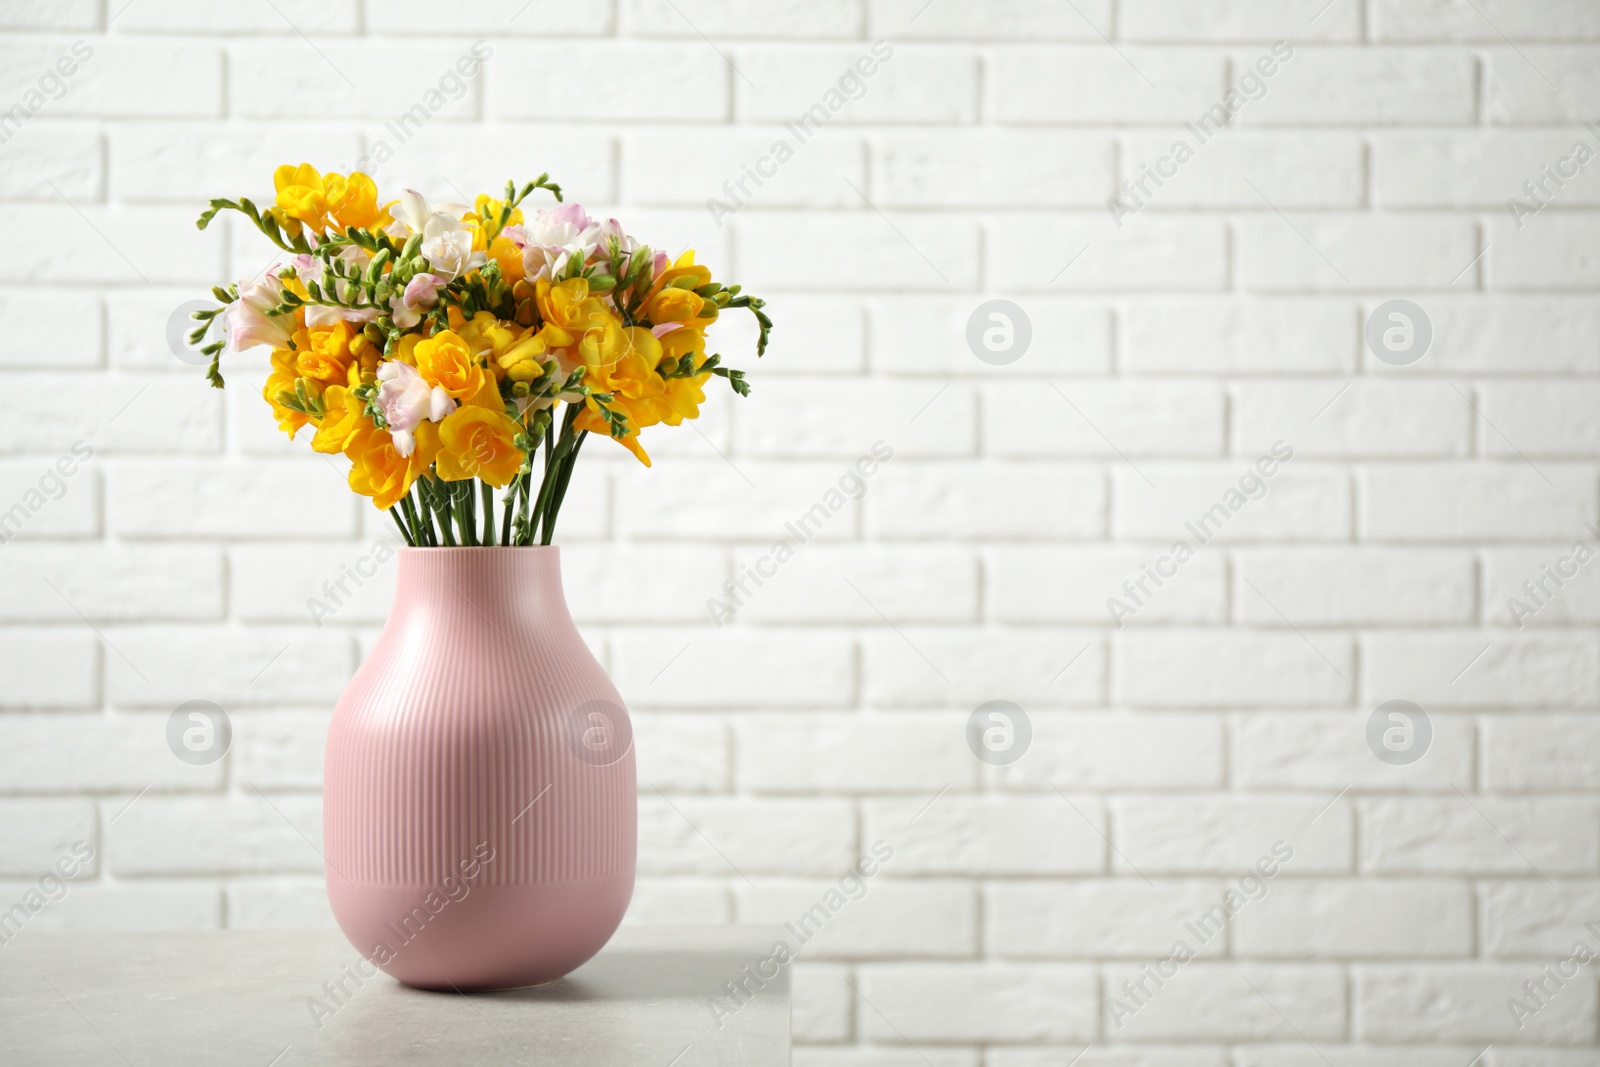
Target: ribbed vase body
[479,799]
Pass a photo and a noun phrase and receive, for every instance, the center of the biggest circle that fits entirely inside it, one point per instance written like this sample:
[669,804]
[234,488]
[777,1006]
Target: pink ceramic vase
[479,799]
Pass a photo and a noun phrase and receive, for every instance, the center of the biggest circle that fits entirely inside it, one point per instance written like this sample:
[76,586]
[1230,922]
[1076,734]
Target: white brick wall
[1168,755]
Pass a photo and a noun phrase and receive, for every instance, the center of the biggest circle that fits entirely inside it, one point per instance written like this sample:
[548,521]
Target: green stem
[424,517]
[511,498]
[462,497]
[441,507]
[547,487]
[549,460]
[552,477]
[423,531]
[399,522]
[554,507]
[488,513]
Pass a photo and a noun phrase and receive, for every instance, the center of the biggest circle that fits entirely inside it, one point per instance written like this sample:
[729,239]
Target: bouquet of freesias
[441,347]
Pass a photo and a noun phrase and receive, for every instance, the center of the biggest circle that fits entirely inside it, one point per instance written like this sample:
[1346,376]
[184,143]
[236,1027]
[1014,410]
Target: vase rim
[440,550]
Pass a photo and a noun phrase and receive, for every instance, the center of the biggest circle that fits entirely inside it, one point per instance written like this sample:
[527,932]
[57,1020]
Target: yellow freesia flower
[484,219]
[602,341]
[327,352]
[509,256]
[486,336]
[684,396]
[527,305]
[353,201]
[445,360]
[487,396]
[670,302]
[279,382]
[591,420]
[521,361]
[406,350]
[636,389]
[562,307]
[681,342]
[578,327]
[300,194]
[636,362]
[683,267]
[379,472]
[672,305]
[363,369]
[479,442]
[316,200]
[343,422]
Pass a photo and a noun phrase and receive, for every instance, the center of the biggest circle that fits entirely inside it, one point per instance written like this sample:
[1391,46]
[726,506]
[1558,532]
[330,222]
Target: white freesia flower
[447,246]
[411,213]
[446,243]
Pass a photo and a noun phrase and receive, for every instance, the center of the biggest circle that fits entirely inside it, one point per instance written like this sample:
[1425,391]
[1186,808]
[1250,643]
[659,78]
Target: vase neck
[506,587]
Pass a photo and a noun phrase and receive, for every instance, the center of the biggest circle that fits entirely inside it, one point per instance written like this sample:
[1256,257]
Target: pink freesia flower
[421,294]
[247,321]
[569,213]
[406,399]
[321,315]
[554,237]
[611,228]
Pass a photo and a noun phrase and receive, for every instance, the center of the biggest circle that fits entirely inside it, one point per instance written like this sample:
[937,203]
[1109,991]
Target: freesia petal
[439,404]
[413,210]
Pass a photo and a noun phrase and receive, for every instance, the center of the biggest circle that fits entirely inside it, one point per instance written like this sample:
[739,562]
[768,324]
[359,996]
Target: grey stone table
[305,998]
